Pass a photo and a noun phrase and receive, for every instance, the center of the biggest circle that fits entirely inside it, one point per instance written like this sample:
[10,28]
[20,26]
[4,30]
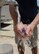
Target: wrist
[35,21]
[33,24]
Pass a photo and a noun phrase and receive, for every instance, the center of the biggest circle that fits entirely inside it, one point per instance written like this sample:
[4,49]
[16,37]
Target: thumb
[27,31]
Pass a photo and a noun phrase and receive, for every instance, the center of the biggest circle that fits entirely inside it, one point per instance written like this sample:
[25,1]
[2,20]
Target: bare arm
[32,25]
[13,13]
[36,20]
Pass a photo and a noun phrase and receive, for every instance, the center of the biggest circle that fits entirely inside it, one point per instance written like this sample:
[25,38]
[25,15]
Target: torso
[28,10]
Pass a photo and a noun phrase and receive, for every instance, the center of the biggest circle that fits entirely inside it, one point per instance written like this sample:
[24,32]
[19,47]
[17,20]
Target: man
[30,17]
[29,20]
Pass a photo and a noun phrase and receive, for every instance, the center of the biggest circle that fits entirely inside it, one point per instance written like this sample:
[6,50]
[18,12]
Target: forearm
[13,13]
[36,20]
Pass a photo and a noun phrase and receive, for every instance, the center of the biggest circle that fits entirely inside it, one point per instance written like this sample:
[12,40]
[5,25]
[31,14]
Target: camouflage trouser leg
[34,38]
[18,42]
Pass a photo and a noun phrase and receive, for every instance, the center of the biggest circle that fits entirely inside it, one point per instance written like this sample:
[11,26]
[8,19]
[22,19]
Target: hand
[18,29]
[29,30]
[21,30]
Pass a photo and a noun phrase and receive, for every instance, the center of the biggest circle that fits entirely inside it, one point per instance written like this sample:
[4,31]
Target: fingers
[29,31]
[24,30]
[22,34]
[18,29]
